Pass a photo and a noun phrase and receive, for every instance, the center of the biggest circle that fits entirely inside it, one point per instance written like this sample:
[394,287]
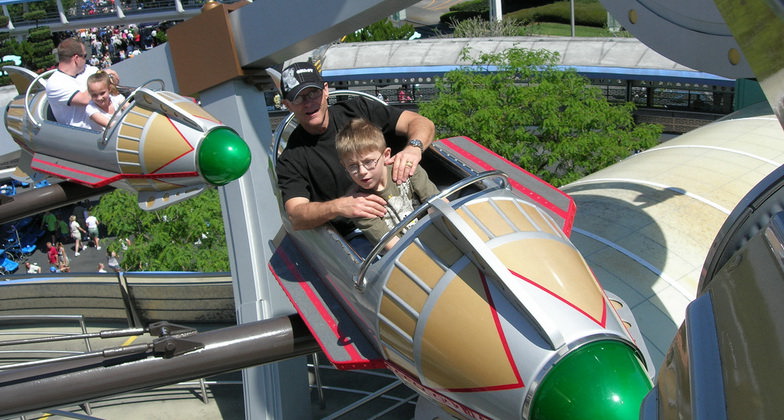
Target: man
[50,221]
[92,229]
[310,176]
[32,268]
[66,88]
[51,253]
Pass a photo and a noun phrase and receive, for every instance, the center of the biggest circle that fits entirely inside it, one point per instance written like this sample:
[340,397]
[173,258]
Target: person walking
[92,228]
[63,231]
[50,221]
[76,234]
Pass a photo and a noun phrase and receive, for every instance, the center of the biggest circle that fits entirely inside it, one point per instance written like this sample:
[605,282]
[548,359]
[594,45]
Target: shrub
[549,121]
[467,10]
[585,13]
[383,30]
[479,28]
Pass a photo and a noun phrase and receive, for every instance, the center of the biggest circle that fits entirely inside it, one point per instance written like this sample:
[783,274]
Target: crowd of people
[78,228]
[111,44]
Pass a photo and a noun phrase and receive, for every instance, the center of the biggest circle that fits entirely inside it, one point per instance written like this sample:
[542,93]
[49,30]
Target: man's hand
[306,214]
[404,163]
[361,205]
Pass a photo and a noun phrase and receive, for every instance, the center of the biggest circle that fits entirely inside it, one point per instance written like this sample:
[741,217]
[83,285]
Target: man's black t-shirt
[309,166]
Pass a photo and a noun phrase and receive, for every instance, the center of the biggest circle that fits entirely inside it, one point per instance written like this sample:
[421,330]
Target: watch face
[416,143]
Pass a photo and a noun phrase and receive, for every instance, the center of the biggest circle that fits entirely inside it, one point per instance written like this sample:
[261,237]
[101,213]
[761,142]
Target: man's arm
[306,214]
[81,98]
[414,127]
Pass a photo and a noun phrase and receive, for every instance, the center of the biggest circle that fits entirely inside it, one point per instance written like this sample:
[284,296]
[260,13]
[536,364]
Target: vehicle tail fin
[21,78]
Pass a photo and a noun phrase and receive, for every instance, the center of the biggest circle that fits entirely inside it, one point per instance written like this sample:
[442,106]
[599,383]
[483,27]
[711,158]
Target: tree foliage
[547,120]
[383,30]
[187,236]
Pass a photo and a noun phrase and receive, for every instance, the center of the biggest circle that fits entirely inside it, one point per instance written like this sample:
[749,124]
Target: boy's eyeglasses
[369,165]
[309,96]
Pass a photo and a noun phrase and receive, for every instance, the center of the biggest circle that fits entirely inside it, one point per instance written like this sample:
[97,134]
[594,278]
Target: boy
[363,152]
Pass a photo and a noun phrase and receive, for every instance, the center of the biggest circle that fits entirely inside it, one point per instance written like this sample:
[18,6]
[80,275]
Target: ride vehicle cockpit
[163,146]
[489,275]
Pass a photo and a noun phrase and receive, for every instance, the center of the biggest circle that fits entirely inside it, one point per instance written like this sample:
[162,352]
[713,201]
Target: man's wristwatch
[417,143]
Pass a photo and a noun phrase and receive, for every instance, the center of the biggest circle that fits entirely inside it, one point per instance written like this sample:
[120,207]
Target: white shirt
[74,229]
[60,90]
[91,222]
[92,108]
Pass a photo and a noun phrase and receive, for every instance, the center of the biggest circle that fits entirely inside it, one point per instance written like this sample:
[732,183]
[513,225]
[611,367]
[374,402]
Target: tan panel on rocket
[482,235]
[128,144]
[542,224]
[436,242]
[195,110]
[169,144]
[490,218]
[16,110]
[544,257]
[137,116]
[393,339]
[416,260]
[461,331]
[132,133]
[402,286]
[148,184]
[129,162]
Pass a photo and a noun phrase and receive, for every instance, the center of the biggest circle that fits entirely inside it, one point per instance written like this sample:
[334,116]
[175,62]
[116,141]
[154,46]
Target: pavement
[86,262]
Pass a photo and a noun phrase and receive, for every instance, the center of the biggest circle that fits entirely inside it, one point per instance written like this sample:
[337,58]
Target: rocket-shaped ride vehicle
[484,306]
[163,146]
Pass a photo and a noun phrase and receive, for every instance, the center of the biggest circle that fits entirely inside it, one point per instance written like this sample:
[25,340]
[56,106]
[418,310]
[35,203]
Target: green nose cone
[223,156]
[601,380]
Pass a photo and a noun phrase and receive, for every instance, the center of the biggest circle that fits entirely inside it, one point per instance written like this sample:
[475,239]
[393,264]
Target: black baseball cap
[297,77]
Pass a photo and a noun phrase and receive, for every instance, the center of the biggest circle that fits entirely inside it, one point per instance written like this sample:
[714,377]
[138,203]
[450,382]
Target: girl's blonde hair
[103,77]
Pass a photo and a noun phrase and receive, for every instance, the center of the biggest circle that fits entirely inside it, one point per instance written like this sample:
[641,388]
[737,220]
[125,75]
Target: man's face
[81,61]
[310,109]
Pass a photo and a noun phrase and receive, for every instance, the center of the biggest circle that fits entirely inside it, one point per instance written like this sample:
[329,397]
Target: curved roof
[645,224]
[609,54]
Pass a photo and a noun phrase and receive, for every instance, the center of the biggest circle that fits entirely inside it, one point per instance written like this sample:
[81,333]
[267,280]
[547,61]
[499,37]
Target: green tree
[383,30]
[187,236]
[6,48]
[547,120]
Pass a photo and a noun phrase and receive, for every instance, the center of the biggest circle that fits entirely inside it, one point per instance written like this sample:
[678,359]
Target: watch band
[417,143]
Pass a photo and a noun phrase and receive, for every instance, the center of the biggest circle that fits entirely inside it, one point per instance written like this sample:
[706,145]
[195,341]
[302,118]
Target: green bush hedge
[586,13]
[466,10]
[480,6]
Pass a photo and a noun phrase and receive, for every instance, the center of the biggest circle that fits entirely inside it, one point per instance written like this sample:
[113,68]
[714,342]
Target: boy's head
[363,151]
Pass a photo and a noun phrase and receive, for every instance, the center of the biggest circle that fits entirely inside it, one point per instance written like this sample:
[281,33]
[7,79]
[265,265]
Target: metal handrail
[360,282]
[27,96]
